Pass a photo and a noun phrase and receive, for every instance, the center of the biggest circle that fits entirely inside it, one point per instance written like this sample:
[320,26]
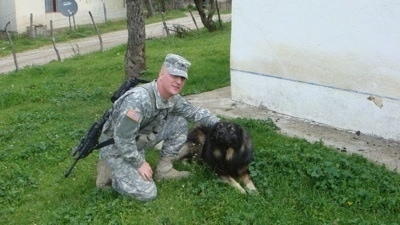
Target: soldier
[141,118]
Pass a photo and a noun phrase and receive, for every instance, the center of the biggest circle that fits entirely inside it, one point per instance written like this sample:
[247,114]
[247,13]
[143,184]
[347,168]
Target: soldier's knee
[138,189]
[147,194]
[142,192]
[147,197]
[144,197]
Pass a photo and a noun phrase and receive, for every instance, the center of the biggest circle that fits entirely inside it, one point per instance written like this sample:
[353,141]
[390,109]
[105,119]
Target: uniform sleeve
[127,126]
[194,113]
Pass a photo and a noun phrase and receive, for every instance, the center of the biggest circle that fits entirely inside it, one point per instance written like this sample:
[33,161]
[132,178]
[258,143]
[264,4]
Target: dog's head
[226,133]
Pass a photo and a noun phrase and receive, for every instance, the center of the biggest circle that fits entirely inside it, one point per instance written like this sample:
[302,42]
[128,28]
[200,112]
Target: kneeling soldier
[141,118]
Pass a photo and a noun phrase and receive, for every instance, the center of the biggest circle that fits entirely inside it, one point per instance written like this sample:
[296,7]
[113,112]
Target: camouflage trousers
[126,179]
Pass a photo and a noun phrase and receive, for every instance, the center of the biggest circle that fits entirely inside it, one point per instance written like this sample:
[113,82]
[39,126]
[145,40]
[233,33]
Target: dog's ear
[213,131]
[235,132]
[246,140]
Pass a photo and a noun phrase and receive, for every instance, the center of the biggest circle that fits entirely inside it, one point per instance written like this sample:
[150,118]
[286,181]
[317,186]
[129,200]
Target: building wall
[24,8]
[333,62]
[7,14]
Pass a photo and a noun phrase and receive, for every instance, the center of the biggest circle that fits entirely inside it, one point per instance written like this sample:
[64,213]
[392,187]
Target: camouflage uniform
[141,118]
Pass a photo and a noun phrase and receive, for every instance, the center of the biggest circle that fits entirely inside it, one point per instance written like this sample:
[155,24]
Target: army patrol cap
[177,65]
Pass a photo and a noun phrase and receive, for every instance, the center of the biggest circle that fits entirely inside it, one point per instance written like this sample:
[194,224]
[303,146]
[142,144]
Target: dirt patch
[378,150]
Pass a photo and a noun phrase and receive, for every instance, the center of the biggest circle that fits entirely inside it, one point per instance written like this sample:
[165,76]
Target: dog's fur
[226,148]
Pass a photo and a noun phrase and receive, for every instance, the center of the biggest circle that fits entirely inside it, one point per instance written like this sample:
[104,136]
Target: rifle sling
[104,143]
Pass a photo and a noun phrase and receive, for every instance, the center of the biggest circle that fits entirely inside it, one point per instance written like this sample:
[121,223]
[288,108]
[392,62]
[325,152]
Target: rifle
[90,142]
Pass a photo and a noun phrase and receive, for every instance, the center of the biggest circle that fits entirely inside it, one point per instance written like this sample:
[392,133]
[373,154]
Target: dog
[227,149]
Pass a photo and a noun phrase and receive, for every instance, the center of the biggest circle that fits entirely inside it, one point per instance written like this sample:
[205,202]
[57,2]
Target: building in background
[332,62]
[20,12]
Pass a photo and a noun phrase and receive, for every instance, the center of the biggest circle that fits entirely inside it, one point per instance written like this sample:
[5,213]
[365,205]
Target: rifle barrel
[70,168]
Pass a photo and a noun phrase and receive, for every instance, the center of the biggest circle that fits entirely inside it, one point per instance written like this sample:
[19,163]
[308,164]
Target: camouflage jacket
[140,113]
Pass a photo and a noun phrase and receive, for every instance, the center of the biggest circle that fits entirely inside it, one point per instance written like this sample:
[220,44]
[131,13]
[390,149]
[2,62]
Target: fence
[38,24]
[50,31]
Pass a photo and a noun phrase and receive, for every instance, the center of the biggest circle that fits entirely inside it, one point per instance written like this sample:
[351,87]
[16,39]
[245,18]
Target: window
[50,5]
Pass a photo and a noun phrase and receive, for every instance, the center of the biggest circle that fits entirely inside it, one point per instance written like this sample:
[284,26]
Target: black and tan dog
[226,148]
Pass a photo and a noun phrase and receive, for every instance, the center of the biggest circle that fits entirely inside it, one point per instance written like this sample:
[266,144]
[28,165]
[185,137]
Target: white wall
[320,60]
[7,14]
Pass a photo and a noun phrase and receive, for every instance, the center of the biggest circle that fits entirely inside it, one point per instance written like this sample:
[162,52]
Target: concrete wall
[7,14]
[333,62]
[20,14]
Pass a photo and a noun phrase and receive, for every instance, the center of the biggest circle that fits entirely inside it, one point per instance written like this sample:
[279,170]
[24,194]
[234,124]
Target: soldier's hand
[146,172]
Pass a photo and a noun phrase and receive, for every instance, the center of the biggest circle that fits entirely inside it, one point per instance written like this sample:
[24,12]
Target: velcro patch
[133,115]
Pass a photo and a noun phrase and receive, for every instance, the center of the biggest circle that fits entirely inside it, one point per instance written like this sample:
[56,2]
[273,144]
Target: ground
[378,150]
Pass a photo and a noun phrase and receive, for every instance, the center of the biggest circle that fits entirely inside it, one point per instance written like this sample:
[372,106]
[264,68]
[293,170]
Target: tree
[206,19]
[150,9]
[135,57]
[179,4]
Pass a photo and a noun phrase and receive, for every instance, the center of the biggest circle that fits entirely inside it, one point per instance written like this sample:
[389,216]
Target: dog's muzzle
[222,135]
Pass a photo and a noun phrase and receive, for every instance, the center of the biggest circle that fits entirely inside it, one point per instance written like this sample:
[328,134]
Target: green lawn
[45,110]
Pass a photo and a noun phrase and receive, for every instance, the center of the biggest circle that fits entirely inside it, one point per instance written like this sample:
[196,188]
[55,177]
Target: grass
[45,110]
[23,43]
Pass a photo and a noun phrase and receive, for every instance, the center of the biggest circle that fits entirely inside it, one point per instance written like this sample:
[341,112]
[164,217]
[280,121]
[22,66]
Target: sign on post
[68,7]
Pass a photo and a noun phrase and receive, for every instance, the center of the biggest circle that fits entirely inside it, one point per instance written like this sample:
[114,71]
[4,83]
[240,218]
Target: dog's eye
[231,129]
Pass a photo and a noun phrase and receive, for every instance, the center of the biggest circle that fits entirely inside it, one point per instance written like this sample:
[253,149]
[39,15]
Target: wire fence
[34,25]
[39,25]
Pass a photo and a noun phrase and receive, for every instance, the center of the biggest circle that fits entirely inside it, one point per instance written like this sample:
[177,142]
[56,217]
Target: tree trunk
[179,4]
[206,19]
[135,57]
[150,9]
[162,6]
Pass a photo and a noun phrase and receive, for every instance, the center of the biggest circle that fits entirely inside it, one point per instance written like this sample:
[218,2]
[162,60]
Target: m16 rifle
[90,142]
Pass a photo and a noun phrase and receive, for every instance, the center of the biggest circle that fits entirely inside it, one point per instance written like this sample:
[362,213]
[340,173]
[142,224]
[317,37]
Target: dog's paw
[188,150]
[253,191]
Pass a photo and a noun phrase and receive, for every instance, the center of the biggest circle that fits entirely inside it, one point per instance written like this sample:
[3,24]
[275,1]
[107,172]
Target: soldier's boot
[165,171]
[104,174]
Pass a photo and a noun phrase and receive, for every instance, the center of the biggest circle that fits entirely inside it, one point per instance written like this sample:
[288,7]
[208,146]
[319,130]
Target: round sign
[68,7]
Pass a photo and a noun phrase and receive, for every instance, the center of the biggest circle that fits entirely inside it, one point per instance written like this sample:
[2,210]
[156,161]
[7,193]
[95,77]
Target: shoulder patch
[133,115]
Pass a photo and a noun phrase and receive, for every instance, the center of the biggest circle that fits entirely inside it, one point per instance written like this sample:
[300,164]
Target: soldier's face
[169,85]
